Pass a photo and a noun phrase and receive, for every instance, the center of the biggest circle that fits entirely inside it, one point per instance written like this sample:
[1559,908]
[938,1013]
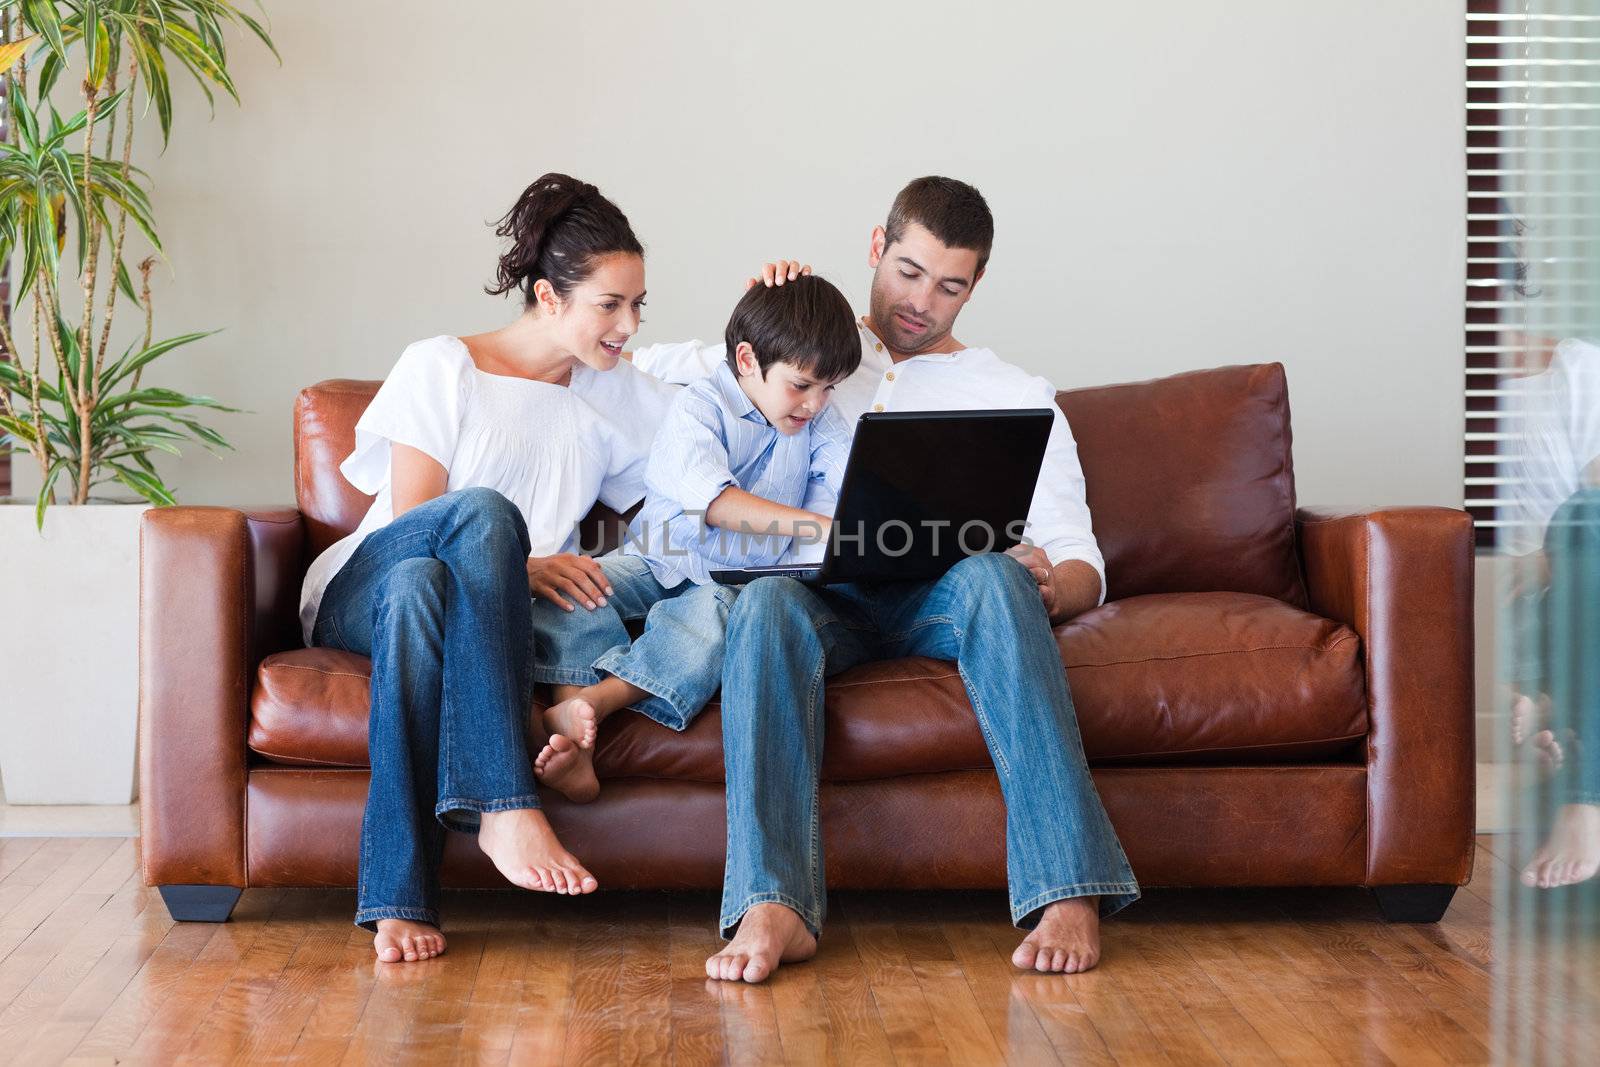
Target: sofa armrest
[215,585]
[1401,577]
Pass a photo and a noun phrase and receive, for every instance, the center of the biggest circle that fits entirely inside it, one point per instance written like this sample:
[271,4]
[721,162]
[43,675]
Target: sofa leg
[1413,903]
[200,903]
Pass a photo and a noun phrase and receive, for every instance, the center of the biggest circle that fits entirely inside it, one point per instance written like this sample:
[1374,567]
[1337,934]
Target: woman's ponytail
[558,228]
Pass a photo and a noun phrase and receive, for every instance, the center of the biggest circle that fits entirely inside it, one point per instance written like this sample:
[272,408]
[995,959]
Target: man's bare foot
[567,769]
[400,940]
[525,850]
[1067,939]
[769,934]
[1572,854]
[575,718]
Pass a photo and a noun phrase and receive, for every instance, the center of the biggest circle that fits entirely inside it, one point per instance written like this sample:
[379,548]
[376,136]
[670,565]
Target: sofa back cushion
[1191,482]
[325,417]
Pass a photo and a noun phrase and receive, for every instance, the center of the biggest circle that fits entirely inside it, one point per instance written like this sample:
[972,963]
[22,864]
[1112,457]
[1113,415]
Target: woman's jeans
[784,638]
[1571,638]
[677,660]
[439,599]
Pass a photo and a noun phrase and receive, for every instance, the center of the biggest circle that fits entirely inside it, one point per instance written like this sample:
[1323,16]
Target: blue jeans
[439,599]
[1570,646]
[678,658]
[784,638]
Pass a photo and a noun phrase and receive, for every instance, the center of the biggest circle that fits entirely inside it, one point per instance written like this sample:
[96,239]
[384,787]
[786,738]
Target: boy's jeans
[439,599]
[985,614]
[678,658]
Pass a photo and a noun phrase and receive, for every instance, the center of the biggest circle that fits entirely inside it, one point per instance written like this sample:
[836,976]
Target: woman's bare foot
[525,850]
[1572,854]
[1527,713]
[401,940]
[576,719]
[1547,751]
[567,769]
[1067,939]
[769,934]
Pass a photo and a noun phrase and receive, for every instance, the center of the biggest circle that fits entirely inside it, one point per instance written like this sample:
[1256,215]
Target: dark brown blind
[1533,220]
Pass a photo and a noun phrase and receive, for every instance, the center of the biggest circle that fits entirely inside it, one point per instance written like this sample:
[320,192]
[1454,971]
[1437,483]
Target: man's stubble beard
[880,313]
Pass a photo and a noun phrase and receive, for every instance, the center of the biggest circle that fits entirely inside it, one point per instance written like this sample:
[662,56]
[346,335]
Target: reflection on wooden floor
[92,970]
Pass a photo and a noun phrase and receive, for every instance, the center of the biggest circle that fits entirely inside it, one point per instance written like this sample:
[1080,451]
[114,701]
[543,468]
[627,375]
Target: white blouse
[551,450]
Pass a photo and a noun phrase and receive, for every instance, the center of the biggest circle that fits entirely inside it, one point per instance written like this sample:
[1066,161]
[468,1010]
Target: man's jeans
[678,658]
[439,599]
[985,614]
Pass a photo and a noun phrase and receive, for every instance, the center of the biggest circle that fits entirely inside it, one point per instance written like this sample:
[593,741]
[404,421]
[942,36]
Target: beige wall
[1176,185]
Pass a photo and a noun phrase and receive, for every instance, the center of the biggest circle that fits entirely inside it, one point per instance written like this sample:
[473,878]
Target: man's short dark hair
[806,322]
[951,210]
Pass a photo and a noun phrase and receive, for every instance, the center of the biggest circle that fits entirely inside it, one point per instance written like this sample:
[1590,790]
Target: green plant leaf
[44,494]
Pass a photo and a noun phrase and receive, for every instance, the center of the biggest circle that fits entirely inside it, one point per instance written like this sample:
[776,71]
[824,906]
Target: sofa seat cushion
[1228,678]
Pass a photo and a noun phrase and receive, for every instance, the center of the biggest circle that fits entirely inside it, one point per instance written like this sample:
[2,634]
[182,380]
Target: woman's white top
[1557,413]
[551,450]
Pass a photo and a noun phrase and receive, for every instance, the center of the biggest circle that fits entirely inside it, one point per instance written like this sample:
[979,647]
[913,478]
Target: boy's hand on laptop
[778,273]
[1033,557]
[566,574]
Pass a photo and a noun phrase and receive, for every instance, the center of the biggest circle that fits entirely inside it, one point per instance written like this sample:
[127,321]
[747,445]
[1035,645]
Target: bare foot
[525,850]
[576,718]
[1067,939]
[1526,715]
[769,934]
[1572,854]
[567,769]
[1548,752]
[400,940]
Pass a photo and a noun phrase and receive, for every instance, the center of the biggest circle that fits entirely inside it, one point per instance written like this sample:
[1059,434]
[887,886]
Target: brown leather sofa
[1269,697]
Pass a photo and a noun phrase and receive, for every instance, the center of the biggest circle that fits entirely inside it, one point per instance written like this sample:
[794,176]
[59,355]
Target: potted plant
[75,411]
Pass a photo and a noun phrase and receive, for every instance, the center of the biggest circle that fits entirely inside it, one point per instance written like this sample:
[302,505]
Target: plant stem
[122,220]
[85,406]
[145,266]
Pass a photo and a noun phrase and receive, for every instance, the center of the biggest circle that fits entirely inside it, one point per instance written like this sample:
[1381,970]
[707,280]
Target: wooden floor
[93,971]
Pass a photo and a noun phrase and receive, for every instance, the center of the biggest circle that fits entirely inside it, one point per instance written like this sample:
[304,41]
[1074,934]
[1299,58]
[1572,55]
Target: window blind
[1533,227]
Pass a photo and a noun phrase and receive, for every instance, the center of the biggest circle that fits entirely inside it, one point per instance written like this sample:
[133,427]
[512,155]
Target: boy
[746,463]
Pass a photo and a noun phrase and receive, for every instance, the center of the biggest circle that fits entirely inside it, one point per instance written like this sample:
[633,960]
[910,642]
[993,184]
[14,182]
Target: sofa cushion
[1190,480]
[1225,678]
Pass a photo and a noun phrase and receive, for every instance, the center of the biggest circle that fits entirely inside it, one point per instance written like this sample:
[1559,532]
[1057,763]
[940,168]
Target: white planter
[69,641]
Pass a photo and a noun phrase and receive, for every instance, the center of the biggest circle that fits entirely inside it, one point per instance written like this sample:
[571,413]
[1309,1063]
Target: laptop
[923,490]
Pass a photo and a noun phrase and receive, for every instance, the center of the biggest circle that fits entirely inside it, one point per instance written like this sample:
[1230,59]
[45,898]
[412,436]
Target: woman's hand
[778,273]
[579,577]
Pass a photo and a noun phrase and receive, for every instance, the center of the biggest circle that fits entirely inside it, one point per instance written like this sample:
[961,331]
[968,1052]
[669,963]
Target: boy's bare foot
[525,850]
[769,934]
[401,940]
[1067,939]
[1572,854]
[567,769]
[575,718]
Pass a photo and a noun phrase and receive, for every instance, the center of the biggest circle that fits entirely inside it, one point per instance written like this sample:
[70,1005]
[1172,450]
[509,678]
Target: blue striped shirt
[714,437]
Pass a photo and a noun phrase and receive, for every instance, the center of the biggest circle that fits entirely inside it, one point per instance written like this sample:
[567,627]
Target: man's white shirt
[973,378]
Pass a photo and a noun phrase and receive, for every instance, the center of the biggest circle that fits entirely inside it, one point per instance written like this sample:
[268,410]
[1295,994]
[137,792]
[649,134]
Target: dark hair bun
[558,228]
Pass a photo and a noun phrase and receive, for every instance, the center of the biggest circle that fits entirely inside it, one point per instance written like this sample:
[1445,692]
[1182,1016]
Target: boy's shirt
[714,437]
[1058,520]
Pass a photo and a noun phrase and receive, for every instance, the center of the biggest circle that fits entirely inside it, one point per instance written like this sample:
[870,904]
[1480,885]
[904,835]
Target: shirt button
[889,377]
[877,407]
[877,346]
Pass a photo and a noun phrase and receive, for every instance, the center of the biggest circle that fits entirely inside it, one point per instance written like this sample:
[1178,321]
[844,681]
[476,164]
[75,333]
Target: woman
[483,453]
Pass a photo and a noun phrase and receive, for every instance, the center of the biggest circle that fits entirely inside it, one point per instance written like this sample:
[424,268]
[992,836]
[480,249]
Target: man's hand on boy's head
[777,273]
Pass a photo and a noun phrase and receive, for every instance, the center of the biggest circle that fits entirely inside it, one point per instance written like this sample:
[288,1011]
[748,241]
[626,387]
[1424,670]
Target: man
[991,614]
